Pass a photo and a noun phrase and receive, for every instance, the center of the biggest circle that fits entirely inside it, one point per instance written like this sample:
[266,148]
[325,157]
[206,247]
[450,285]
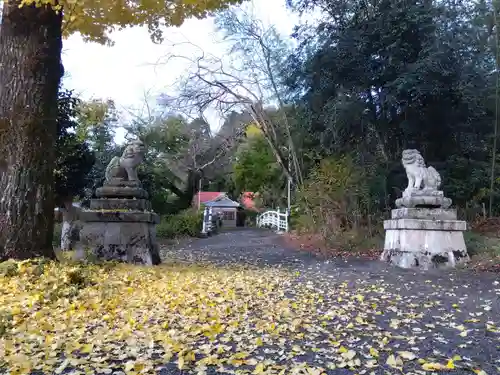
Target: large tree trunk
[30,61]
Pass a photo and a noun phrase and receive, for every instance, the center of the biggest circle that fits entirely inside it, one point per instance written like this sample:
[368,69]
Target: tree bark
[497,109]
[30,72]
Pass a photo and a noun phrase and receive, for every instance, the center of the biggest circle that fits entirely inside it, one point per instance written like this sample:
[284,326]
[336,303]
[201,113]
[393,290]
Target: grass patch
[479,244]
[484,251]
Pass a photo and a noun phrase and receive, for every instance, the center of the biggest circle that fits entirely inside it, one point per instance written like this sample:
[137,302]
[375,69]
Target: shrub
[334,203]
[185,223]
[250,217]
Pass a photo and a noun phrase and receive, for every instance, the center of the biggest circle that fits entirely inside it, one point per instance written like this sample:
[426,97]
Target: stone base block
[109,191]
[422,243]
[425,225]
[123,236]
[122,182]
[426,214]
[423,201]
[119,204]
[125,216]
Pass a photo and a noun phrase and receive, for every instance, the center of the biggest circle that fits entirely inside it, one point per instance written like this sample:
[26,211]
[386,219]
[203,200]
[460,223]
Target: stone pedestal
[119,225]
[424,237]
[423,198]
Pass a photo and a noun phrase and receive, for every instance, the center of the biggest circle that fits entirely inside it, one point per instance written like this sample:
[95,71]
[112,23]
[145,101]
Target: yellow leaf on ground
[87,348]
[429,366]
[259,369]
[394,362]
[180,362]
[407,355]
[350,354]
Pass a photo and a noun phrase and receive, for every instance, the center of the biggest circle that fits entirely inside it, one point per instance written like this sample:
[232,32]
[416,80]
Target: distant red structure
[206,196]
[248,201]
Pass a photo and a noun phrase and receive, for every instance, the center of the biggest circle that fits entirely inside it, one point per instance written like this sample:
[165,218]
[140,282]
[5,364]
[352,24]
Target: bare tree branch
[209,82]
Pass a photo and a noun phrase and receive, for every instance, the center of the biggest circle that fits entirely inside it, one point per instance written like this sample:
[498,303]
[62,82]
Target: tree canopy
[96,20]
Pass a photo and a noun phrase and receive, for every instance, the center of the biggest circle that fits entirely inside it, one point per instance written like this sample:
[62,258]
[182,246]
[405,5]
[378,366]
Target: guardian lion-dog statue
[125,167]
[419,176]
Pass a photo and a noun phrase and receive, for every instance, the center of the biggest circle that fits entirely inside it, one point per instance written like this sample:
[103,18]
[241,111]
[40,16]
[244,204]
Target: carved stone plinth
[119,225]
[424,238]
[423,198]
[111,191]
[120,204]
[423,231]
[123,236]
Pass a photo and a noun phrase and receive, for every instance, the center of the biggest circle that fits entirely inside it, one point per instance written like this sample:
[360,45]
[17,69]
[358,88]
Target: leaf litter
[200,316]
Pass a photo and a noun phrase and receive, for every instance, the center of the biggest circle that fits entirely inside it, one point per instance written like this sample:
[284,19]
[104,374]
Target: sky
[128,72]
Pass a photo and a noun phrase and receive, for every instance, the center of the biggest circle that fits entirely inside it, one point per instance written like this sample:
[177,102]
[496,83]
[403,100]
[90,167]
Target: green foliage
[256,170]
[74,159]
[165,139]
[250,217]
[96,122]
[334,201]
[373,79]
[162,201]
[186,223]
[185,155]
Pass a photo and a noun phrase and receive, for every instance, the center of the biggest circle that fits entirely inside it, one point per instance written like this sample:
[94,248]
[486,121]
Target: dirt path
[372,311]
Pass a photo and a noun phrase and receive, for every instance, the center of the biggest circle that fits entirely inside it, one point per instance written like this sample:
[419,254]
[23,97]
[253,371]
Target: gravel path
[448,318]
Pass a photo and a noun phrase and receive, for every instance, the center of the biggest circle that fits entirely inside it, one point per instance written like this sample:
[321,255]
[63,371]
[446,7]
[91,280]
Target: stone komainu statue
[419,176]
[125,167]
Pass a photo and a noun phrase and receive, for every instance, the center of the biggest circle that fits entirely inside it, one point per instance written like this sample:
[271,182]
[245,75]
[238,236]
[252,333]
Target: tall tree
[263,52]
[96,122]
[211,82]
[185,156]
[496,20]
[256,170]
[378,77]
[30,55]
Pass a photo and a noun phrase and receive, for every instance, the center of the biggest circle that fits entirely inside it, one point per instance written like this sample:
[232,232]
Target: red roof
[206,196]
[247,200]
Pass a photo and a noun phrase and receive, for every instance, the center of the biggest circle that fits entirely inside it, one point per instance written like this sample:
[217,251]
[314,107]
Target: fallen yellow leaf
[407,355]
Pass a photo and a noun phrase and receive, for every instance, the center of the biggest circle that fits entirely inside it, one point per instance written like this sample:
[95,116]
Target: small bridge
[273,220]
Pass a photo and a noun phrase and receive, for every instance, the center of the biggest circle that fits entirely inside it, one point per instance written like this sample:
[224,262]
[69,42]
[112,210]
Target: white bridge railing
[274,220]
